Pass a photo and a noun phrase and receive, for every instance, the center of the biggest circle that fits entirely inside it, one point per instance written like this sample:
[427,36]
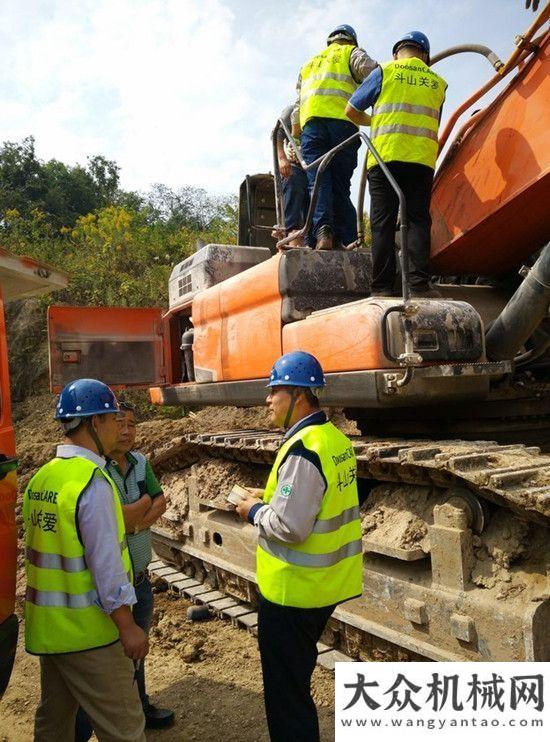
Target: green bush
[117,247]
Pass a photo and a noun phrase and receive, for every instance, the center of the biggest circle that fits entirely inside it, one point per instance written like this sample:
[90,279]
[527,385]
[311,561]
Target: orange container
[238,325]
[490,203]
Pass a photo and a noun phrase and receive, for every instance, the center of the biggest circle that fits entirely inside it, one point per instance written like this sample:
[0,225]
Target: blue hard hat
[413,37]
[84,398]
[342,32]
[297,369]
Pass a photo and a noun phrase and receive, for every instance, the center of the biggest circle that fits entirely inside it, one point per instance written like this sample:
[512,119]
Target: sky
[186,92]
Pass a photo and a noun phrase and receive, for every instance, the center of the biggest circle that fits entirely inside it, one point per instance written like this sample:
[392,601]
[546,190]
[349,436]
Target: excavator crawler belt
[516,477]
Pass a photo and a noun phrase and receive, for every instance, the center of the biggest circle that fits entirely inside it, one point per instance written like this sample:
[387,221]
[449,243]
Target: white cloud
[187,91]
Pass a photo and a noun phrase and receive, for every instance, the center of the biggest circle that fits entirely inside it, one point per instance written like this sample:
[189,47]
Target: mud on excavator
[450,396]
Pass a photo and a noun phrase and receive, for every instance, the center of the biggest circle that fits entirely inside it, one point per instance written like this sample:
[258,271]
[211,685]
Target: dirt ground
[208,672]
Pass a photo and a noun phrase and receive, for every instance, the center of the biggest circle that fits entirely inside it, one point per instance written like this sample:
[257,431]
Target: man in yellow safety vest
[324,86]
[406,98]
[78,616]
[309,555]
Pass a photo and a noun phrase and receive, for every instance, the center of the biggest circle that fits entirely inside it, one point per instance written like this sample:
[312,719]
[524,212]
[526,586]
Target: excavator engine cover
[209,266]
[238,322]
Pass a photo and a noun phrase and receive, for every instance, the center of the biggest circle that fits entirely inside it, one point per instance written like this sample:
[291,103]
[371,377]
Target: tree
[61,192]
[105,176]
[187,206]
[21,181]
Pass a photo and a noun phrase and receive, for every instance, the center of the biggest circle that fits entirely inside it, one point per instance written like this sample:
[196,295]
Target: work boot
[324,238]
[295,242]
[424,291]
[156,718]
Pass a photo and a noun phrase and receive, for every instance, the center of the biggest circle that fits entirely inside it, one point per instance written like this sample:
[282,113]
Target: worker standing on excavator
[294,183]
[78,616]
[324,86]
[309,555]
[406,98]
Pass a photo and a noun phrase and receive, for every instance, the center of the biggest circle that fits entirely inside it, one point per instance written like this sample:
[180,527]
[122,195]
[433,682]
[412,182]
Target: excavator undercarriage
[455,536]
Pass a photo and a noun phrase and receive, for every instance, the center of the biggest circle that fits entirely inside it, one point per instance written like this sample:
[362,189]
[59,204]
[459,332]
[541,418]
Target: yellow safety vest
[326,568]
[405,118]
[327,84]
[61,614]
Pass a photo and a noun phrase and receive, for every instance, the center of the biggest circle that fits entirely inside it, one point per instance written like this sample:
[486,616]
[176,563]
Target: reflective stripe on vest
[333,524]
[326,84]
[326,568]
[58,561]
[406,108]
[404,129]
[55,561]
[62,608]
[58,599]
[405,118]
[302,559]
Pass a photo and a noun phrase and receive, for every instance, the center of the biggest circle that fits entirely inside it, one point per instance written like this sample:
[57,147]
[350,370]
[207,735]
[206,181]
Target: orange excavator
[20,277]
[451,396]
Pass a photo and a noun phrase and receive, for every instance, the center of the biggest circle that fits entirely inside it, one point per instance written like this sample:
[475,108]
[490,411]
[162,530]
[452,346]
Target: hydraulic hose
[525,45]
[523,313]
[475,49]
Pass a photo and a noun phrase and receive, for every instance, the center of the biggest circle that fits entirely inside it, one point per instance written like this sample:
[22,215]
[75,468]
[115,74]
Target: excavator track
[418,602]
[516,477]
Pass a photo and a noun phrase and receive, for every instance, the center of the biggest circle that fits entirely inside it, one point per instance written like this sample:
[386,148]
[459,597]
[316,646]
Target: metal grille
[184,285]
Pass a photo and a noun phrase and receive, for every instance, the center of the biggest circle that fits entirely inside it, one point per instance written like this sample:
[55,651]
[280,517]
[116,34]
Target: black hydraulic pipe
[523,313]
[474,48]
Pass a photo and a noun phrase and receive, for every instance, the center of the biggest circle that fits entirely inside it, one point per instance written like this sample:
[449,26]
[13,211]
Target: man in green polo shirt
[142,504]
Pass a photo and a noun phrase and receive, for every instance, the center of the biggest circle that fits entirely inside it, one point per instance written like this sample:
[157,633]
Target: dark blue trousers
[287,639]
[334,207]
[296,198]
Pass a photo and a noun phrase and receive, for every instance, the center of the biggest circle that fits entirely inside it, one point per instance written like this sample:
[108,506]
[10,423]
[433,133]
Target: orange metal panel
[120,346]
[207,321]
[8,485]
[251,306]
[8,544]
[238,325]
[490,199]
[7,436]
[346,338]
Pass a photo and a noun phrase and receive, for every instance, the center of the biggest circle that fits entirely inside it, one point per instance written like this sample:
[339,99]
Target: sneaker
[156,718]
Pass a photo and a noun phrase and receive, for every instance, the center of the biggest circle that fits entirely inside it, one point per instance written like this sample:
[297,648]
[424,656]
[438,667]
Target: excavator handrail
[322,163]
